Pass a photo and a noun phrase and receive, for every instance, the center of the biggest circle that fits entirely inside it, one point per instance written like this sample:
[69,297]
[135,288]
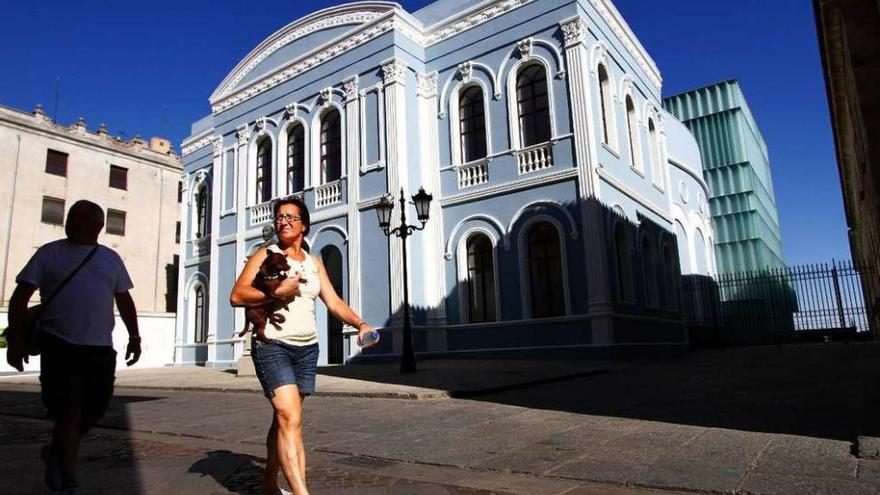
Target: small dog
[272,271]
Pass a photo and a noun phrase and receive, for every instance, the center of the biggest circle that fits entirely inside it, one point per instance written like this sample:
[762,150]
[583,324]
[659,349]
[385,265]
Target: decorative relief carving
[243,134]
[466,70]
[573,31]
[290,110]
[473,20]
[394,71]
[326,95]
[426,84]
[197,145]
[260,124]
[600,56]
[350,88]
[338,20]
[302,66]
[525,48]
[218,145]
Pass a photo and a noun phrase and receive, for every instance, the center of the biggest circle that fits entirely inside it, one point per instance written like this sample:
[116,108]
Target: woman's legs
[270,483]
[291,454]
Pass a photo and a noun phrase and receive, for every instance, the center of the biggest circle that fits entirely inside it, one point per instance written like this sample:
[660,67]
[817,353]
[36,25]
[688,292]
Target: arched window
[605,104]
[201,211]
[199,331]
[472,124]
[331,146]
[632,127]
[649,272]
[545,271]
[670,276]
[623,262]
[264,170]
[533,105]
[296,159]
[654,143]
[480,279]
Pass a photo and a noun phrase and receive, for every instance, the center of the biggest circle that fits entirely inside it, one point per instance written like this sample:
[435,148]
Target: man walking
[78,362]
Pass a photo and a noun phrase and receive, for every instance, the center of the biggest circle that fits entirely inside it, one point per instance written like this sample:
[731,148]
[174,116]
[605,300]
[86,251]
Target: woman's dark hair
[300,204]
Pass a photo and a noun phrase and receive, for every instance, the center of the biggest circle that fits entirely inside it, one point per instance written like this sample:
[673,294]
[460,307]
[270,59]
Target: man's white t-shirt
[82,313]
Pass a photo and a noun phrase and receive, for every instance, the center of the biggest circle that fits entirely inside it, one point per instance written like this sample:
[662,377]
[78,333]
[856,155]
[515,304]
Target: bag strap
[82,264]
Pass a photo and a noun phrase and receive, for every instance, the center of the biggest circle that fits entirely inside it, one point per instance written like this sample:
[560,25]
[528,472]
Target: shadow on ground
[237,473]
[828,391]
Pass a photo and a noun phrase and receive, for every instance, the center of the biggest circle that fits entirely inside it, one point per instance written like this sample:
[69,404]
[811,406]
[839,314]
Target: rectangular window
[56,163]
[177,234]
[118,177]
[115,222]
[53,211]
[179,192]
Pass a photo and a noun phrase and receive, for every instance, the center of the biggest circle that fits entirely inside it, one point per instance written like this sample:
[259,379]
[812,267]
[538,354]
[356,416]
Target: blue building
[537,125]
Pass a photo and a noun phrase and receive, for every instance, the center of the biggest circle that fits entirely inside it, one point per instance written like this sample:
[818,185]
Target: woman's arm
[336,305]
[245,295]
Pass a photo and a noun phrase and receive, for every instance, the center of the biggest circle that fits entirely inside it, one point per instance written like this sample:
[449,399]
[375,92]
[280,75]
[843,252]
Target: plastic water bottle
[370,338]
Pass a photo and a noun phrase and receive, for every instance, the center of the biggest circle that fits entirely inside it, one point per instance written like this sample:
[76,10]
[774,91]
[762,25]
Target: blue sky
[149,71]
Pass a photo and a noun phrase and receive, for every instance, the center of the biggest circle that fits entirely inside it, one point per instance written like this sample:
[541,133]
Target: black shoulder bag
[32,331]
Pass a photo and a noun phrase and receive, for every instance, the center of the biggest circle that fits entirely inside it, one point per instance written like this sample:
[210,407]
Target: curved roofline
[253,58]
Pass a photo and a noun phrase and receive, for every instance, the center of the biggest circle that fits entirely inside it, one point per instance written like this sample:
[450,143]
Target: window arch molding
[525,284]
[455,124]
[623,257]
[198,185]
[550,204]
[281,161]
[487,221]
[656,143]
[314,162]
[467,72]
[462,269]
[195,280]
[513,125]
[633,125]
[606,93]
[252,150]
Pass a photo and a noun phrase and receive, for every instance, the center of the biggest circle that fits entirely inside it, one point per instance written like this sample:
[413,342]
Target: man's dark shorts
[76,375]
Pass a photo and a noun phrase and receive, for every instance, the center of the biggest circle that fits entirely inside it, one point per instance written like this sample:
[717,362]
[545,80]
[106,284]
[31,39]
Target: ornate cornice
[276,42]
[193,146]
[382,17]
[426,84]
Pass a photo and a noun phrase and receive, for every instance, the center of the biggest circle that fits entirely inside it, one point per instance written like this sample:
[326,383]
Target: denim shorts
[278,363]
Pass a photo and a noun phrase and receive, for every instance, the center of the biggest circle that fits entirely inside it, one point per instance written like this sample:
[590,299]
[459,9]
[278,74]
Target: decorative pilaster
[592,211]
[394,75]
[432,251]
[353,167]
[214,270]
[242,136]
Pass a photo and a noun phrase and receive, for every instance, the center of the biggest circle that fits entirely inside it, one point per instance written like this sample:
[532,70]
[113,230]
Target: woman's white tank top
[299,327]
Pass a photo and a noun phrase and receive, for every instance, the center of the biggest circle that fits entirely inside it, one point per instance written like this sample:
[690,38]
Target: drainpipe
[9,219]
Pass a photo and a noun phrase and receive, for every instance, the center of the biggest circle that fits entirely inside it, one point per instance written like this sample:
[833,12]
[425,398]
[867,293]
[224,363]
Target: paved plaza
[762,420]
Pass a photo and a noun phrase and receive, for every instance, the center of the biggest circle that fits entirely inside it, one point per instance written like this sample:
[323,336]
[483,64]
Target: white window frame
[512,97]
[461,255]
[525,281]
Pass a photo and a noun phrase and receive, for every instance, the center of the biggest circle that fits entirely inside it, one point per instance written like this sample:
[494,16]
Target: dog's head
[274,266]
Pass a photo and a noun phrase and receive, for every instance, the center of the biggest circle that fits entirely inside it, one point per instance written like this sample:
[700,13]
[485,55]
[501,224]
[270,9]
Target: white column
[592,212]
[214,272]
[394,73]
[353,167]
[429,154]
[243,136]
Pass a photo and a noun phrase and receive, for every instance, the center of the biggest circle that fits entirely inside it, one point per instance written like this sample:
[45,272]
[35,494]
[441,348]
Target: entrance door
[332,259]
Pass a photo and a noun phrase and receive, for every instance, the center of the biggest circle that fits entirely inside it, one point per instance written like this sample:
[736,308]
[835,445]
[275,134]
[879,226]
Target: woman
[286,365]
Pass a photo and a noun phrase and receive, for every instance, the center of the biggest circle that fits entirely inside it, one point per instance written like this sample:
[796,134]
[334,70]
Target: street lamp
[384,208]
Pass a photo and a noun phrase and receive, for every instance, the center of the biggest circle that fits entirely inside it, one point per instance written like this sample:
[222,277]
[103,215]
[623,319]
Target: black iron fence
[820,302]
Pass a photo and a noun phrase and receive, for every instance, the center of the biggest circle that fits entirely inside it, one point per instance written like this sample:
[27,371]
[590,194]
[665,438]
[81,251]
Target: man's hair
[300,204]
[88,211]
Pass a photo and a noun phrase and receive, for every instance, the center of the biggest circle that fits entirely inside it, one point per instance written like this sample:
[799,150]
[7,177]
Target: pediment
[297,37]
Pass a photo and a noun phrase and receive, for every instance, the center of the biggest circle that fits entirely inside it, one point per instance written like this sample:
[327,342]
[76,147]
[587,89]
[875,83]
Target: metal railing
[795,303]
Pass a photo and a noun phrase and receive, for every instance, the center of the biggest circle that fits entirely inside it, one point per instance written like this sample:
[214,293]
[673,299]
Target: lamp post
[422,201]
